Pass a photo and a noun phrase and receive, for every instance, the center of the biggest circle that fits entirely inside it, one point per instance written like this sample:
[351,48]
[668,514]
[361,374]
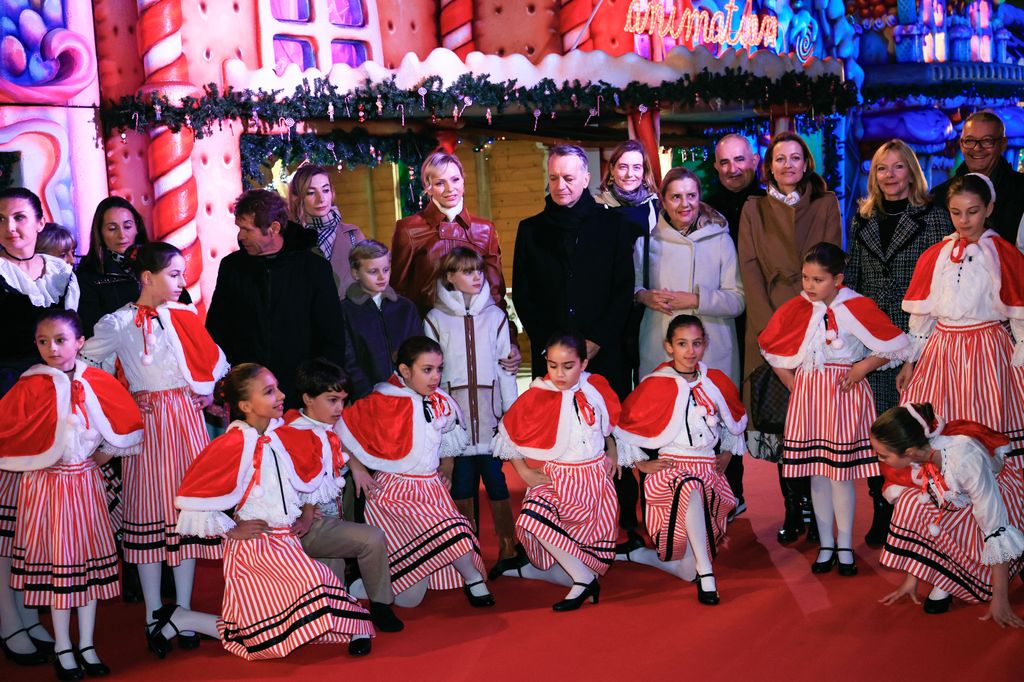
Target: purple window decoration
[348,52]
[289,50]
[346,13]
[290,10]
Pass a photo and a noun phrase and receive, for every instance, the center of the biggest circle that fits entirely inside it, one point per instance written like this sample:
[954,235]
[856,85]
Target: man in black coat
[274,306]
[736,163]
[573,269]
[983,142]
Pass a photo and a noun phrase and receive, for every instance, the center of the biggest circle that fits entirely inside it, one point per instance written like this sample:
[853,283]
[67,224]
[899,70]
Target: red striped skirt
[112,486]
[64,554]
[174,435]
[576,512]
[950,561]
[827,430]
[668,497]
[276,599]
[425,532]
[965,373]
[9,481]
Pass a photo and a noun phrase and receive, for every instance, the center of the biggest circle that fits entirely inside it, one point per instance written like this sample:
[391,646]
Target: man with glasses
[983,143]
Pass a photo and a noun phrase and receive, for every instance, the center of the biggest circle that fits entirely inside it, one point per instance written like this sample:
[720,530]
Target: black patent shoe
[633,541]
[43,646]
[591,590]
[188,641]
[708,597]
[32,658]
[512,563]
[850,569]
[481,602]
[384,618]
[793,524]
[937,606]
[91,669]
[156,642]
[826,565]
[63,673]
[360,647]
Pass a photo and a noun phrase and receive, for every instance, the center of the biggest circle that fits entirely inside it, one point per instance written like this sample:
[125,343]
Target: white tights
[14,615]
[413,596]
[834,501]
[86,627]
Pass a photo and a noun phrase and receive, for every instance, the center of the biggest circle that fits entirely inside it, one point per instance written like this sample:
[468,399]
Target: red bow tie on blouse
[959,249]
[931,474]
[585,410]
[337,458]
[144,321]
[257,464]
[78,400]
[701,397]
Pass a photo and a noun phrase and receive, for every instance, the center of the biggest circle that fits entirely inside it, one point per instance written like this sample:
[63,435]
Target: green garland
[261,111]
[338,149]
[953,90]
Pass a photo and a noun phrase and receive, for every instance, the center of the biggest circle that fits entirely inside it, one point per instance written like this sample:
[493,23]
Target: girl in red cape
[272,476]
[959,510]
[822,344]
[964,291]
[568,520]
[58,424]
[694,418]
[171,365]
[407,431]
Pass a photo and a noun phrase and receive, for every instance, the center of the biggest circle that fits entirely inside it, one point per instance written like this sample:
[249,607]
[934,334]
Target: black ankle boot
[793,525]
[879,531]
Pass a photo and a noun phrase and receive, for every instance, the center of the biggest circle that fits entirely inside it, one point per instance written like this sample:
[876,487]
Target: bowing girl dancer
[959,508]
[694,417]
[402,431]
[276,598]
[57,425]
[568,519]
[473,334]
[822,344]
[171,365]
[964,289]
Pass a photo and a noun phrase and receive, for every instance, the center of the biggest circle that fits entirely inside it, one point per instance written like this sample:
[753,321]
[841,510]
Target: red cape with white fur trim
[993,441]
[220,476]
[792,326]
[1004,263]
[199,357]
[539,422]
[35,414]
[653,413]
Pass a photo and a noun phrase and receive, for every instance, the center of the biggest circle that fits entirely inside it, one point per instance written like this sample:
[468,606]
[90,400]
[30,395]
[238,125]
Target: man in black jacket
[274,306]
[573,269]
[983,142]
[736,163]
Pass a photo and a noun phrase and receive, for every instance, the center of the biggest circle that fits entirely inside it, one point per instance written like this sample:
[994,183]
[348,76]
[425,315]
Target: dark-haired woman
[964,290]
[895,223]
[959,510]
[105,276]
[171,365]
[775,231]
[30,285]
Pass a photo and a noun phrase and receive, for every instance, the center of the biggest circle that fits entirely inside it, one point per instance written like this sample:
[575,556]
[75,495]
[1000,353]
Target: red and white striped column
[176,198]
[457,26]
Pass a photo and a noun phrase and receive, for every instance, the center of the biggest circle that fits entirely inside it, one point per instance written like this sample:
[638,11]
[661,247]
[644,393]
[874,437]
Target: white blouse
[970,475]
[965,297]
[116,337]
[50,286]
[698,438]
[279,505]
[819,352]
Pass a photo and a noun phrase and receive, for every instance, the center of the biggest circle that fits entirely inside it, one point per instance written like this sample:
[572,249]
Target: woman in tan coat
[775,232]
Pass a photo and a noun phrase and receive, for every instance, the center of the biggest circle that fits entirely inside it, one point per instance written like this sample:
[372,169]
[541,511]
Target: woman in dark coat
[895,223]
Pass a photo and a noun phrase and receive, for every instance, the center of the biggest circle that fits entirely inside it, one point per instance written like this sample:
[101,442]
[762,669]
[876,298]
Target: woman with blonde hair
[895,223]
[318,222]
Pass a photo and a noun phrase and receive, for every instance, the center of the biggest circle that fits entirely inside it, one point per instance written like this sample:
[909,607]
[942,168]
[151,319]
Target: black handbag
[769,400]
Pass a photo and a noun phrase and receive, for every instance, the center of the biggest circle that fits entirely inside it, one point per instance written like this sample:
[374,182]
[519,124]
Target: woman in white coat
[693,270]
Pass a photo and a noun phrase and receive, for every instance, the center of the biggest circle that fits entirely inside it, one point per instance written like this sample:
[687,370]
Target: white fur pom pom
[933,530]
[701,411]
[838,344]
[76,422]
[923,498]
[712,420]
[147,359]
[151,339]
[831,335]
[256,492]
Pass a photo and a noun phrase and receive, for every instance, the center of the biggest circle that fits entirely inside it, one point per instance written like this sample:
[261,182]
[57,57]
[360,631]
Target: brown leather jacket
[421,240]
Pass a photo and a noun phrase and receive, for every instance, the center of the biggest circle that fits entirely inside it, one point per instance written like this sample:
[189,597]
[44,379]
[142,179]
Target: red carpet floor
[776,622]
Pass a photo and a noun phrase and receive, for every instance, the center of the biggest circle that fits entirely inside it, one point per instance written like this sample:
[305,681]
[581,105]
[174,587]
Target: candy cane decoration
[170,154]
[457,26]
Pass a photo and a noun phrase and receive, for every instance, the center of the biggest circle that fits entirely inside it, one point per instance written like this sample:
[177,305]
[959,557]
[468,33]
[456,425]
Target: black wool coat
[373,335]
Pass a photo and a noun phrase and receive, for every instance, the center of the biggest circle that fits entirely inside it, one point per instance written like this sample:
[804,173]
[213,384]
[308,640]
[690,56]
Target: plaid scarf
[326,229]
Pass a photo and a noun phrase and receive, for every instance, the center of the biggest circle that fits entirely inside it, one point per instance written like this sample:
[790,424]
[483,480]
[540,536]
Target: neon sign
[692,27]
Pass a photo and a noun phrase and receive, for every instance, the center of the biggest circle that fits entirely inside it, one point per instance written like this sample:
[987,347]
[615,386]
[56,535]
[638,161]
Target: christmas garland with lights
[263,111]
